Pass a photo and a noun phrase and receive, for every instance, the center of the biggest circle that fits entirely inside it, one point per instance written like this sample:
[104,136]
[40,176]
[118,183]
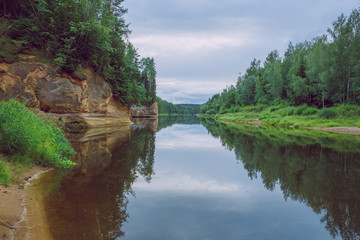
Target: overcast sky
[200,46]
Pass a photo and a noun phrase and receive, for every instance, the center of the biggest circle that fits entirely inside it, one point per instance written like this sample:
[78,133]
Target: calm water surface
[210,181]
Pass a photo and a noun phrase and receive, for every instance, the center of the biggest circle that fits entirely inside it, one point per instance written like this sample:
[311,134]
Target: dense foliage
[169,108]
[4,174]
[27,137]
[319,73]
[76,34]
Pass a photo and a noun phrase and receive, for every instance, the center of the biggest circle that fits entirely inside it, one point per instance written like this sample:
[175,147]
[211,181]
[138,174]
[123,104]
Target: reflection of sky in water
[200,192]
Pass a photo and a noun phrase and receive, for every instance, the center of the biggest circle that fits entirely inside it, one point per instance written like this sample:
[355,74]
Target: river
[185,179]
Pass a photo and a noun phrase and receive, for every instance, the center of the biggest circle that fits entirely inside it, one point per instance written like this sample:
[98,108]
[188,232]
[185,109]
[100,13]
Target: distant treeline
[321,73]
[181,109]
[72,34]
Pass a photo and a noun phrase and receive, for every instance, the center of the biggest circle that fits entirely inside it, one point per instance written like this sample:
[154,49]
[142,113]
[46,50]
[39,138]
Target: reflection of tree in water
[93,206]
[168,121]
[307,170]
[140,147]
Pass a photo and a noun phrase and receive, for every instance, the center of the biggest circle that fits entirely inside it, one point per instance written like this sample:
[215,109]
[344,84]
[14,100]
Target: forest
[320,73]
[73,34]
[168,108]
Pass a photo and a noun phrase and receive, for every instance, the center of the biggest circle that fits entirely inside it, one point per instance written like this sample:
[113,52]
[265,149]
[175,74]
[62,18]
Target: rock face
[61,97]
[144,111]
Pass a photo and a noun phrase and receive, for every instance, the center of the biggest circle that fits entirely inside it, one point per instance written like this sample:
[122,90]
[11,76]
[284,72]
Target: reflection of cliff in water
[94,149]
[307,166]
[89,201]
[151,123]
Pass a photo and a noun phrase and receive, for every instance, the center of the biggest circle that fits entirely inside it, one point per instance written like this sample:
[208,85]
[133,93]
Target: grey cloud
[175,33]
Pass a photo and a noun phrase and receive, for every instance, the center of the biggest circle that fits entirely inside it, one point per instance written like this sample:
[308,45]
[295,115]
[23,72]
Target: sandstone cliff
[144,111]
[60,97]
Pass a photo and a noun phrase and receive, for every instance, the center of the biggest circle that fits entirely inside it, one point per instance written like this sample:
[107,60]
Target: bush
[235,109]
[4,174]
[211,111]
[22,133]
[327,113]
[300,109]
[256,108]
[9,49]
[310,111]
[289,111]
[347,110]
[274,108]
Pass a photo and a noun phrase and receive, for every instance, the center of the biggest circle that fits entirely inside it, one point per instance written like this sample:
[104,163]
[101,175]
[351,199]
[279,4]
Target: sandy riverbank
[344,130]
[22,216]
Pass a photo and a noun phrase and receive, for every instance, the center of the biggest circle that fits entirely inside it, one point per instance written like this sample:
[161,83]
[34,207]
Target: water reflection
[198,191]
[320,170]
[168,121]
[90,201]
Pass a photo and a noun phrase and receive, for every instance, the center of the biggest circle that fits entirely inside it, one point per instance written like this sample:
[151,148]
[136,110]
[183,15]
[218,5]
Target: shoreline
[342,130]
[22,215]
[22,212]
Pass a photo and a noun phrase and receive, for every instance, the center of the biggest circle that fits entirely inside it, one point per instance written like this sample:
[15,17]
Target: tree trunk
[348,90]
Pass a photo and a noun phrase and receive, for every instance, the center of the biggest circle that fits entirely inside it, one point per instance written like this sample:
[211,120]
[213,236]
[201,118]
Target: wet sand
[22,216]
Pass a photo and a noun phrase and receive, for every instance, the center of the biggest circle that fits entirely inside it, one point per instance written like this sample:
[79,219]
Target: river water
[179,179]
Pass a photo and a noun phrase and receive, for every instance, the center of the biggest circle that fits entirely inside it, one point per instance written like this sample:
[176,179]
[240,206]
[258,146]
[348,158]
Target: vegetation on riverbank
[29,139]
[72,35]
[287,136]
[168,108]
[316,83]
[299,116]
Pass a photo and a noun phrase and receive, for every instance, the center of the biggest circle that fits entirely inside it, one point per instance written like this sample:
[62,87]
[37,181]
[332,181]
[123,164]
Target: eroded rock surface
[145,111]
[62,97]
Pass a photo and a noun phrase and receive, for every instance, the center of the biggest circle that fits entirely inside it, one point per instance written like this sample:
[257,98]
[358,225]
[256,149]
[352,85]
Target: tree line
[322,72]
[169,108]
[76,34]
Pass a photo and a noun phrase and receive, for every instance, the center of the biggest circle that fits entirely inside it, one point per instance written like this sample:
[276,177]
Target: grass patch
[4,174]
[12,171]
[27,138]
[296,116]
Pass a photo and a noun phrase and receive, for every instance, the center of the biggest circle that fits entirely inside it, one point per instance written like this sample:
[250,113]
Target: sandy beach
[22,216]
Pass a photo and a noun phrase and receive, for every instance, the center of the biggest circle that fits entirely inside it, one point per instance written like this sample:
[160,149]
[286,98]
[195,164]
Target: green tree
[148,78]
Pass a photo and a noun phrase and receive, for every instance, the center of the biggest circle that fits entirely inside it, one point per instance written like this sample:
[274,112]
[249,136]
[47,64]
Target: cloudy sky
[200,46]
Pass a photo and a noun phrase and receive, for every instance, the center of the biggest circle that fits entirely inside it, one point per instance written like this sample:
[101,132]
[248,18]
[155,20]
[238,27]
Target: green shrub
[223,110]
[9,49]
[289,111]
[310,111]
[300,109]
[256,108]
[274,108]
[327,113]
[347,110]
[211,111]
[235,109]
[4,174]
[22,133]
